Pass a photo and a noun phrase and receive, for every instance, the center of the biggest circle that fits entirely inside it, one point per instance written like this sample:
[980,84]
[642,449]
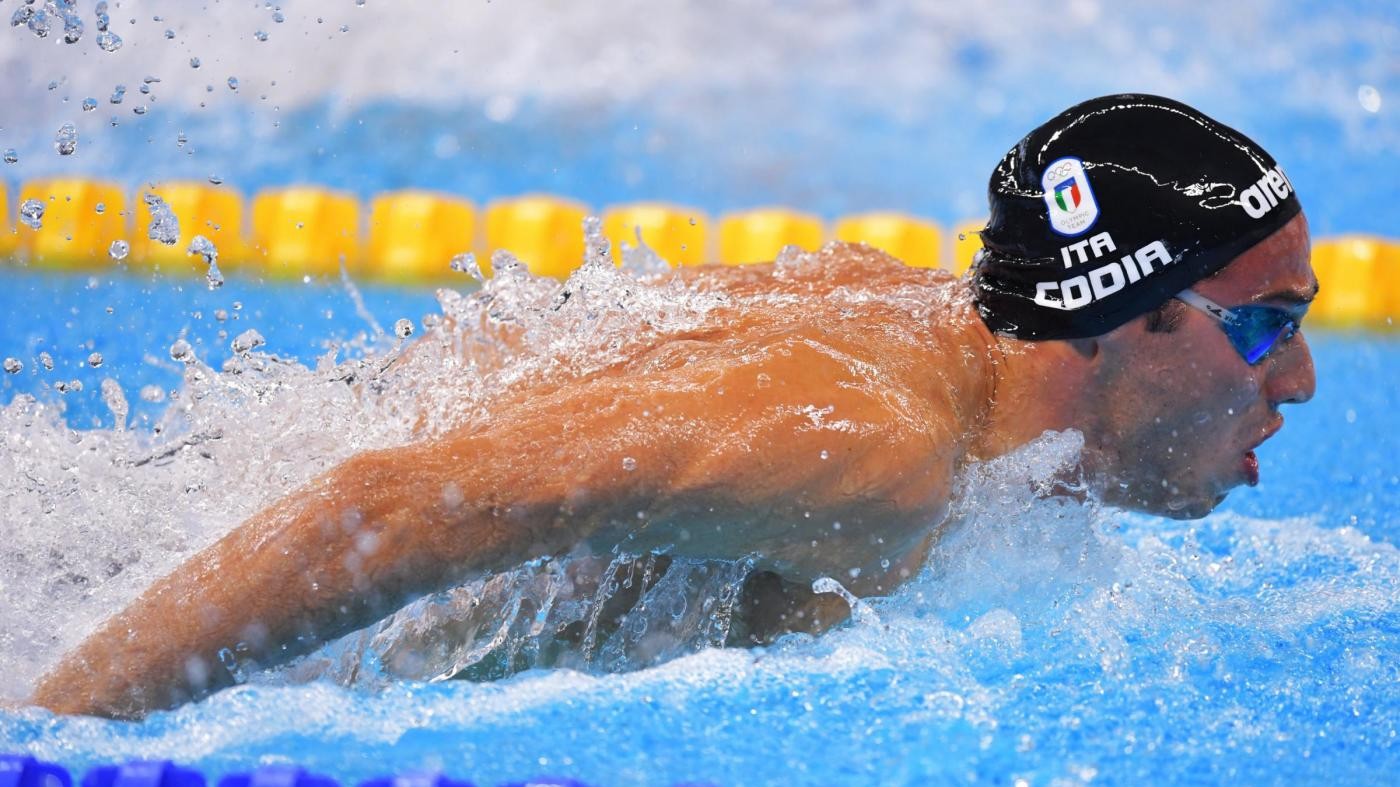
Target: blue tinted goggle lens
[1256,329]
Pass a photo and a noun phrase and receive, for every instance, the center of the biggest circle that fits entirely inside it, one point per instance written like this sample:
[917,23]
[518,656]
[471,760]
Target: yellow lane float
[914,241]
[758,235]
[676,233]
[544,232]
[1357,277]
[81,219]
[305,231]
[413,236]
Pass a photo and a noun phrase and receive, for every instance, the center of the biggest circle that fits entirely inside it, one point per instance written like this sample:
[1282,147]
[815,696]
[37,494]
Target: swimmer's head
[1100,219]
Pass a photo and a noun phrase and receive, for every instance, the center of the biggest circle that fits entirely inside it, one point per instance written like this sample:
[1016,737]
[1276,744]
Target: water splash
[164,227]
[204,248]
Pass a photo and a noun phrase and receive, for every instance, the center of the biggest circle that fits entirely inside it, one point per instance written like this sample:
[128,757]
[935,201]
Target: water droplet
[95,360]
[403,328]
[118,250]
[825,454]
[169,34]
[203,247]
[345,28]
[629,464]
[215,179]
[100,207]
[181,139]
[152,393]
[108,41]
[31,213]
[278,18]
[466,263]
[233,83]
[194,62]
[66,140]
[118,93]
[89,104]
[164,226]
[46,361]
[1369,98]
[764,380]
[260,35]
[13,366]
[11,156]
[247,341]
[181,351]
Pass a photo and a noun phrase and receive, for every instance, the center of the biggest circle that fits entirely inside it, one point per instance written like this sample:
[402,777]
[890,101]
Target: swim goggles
[1253,330]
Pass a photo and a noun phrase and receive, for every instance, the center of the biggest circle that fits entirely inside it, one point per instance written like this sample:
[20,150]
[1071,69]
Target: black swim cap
[1114,206]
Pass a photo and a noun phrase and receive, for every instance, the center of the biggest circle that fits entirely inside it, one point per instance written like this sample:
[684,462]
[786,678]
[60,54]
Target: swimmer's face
[1184,410]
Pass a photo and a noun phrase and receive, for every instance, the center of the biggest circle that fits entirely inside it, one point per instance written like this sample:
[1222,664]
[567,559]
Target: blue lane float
[22,770]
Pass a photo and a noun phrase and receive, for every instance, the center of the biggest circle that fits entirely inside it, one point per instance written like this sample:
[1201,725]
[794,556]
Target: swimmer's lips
[1251,459]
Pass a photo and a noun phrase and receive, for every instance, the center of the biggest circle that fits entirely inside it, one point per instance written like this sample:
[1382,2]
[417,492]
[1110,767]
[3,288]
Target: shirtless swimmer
[1144,275]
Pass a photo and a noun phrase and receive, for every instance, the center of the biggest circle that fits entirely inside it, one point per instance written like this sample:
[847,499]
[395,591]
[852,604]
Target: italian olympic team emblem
[1068,197]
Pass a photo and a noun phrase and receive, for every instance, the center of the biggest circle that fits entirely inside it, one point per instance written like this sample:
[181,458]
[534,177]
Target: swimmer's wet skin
[824,440]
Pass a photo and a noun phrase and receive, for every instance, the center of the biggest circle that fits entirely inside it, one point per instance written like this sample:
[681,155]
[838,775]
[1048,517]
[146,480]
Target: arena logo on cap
[1265,195]
[1068,197]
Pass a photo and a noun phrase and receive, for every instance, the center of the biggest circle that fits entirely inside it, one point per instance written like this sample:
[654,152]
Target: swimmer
[1144,275]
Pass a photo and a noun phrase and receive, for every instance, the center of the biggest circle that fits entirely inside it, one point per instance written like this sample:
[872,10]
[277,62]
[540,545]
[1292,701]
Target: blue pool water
[1046,642]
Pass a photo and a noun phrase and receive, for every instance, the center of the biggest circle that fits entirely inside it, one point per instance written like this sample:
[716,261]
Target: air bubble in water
[152,393]
[89,104]
[13,366]
[118,250]
[46,361]
[403,328]
[247,341]
[11,156]
[181,351]
[66,140]
[164,227]
[629,464]
[95,360]
[31,213]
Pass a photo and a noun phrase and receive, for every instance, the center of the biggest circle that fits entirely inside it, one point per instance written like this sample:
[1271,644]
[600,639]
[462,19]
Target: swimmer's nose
[1292,379]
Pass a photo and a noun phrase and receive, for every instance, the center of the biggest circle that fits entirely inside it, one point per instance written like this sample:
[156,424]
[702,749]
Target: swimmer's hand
[794,456]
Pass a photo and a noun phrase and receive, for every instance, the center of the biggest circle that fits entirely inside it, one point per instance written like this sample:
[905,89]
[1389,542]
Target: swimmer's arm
[699,461]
